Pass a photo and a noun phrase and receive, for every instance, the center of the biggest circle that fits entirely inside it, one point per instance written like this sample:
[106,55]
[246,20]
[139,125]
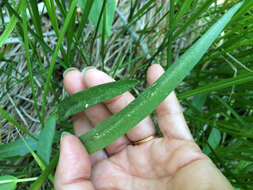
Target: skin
[174,162]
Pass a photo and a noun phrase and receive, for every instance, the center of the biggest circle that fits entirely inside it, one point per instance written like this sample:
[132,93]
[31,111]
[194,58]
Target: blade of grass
[61,8]
[184,8]
[39,182]
[170,33]
[52,15]
[140,12]
[117,65]
[97,26]
[188,22]
[4,36]
[29,65]
[35,156]
[51,10]
[51,68]
[111,129]
[44,45]
[6,116]
[247,7]
[193,17]
[103,38]
[98,8]
[84,18]
[219,85]
[228,107]
[133,8]
[35,16]
[70,38]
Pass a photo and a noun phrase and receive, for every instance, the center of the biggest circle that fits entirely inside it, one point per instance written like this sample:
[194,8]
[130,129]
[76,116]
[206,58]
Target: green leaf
[233,112]
[96,9]
[87,98]
[11,24]
[8,117]
[46,140]
[219,85]
[55,54]
[121,122]
[17,148]
[35,156]
[199,101]
[8,182]
[27,54]
[52,15]
[213,140]
[39,182]
[193,17]
[87,8]
[35,16]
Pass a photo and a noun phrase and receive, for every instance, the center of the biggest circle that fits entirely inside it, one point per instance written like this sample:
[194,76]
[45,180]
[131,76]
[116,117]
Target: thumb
[74,167]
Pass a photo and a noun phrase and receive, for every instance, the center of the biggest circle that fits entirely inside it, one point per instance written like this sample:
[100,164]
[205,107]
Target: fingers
[74,167]
[73,82]
[144,129]
[169,113]
[82,125]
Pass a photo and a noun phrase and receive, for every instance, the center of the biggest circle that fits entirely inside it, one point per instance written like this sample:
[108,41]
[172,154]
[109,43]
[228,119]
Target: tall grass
[39,40]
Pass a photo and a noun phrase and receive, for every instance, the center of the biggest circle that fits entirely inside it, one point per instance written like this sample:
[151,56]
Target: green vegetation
[39,40]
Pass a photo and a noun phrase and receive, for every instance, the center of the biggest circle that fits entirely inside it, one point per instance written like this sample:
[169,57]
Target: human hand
[173,162]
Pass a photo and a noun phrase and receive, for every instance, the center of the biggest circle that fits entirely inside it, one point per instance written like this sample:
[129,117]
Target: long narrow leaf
[36,19]
[87,7]
[6,116]
[87,98]
[55,55]
[221,84]
[39,182]
[17,148]
[35,156]
[46,138]
[190,20]
[96,9]
[117,125]
[11,24]
[29,64]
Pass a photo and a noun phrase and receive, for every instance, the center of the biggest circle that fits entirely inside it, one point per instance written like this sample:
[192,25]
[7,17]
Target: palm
[173,162]
[142,167]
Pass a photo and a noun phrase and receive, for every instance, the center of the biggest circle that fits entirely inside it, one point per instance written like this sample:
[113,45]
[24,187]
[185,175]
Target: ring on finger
[144,140]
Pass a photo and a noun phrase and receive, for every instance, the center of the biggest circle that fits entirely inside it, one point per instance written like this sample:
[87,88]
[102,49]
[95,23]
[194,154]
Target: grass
[34,52]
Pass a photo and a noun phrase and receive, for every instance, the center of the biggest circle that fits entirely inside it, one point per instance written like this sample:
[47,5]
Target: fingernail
[69,69]
[87,68]
[64,133]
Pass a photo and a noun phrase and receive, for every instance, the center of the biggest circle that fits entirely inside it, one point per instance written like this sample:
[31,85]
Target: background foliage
[216,96]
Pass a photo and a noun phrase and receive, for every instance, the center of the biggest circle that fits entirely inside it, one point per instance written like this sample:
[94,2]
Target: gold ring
[144,140]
